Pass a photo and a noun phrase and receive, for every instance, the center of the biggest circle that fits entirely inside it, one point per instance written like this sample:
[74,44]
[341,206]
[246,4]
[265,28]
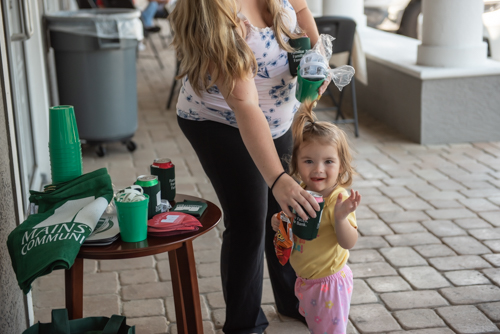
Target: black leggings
[248,205]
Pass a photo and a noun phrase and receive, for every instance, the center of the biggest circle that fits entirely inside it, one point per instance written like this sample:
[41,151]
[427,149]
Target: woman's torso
[275,85]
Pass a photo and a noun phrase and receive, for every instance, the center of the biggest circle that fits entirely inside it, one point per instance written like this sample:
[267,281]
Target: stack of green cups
[64,145]
[307,89]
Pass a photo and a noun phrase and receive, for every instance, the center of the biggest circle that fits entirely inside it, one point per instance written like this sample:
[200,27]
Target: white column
[316,7]
[351,8]
[452,33]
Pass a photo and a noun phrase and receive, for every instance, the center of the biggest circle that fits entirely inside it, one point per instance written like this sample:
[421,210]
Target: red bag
[283,240]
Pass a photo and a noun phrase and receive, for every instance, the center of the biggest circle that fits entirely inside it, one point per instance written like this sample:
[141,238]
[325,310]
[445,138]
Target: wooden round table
[182,267]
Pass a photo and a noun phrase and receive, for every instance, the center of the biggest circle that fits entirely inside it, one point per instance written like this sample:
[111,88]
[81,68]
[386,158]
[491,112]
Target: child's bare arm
[275,223]
[346,234]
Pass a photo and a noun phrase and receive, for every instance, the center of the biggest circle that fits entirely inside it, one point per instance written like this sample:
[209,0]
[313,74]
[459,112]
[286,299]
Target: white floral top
[275,85]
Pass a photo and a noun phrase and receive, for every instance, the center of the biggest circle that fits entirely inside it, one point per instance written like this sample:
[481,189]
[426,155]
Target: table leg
[74,289]
[189,287]
[180,313]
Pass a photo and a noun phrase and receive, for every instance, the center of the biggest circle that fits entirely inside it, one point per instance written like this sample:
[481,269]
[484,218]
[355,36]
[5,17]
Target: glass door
[27,79]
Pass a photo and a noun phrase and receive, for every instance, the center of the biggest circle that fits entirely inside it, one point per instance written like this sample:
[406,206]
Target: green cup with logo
[301,45]
[308,229]
[133,219]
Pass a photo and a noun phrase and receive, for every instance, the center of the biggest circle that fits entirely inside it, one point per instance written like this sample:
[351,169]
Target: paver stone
[403,216]
[413,239]
[363,212]
[370,242]
[466,245]
[443,228]
[466,277]
[368,227]
[395,191]
[485,233]
[412,203]
[492,217]
[147,291]
[471,294]
[494,245]
[372,269]
[364,255]
[149,325]
[290,327]
[101,305]
[372,318]
[427,331]
[143,308]
[413,299]
[388,284]
[419,318]
[402,257]
[494,259]
[493,274]
[362,294]
[434,250]
[450,213]
[424,277]
[472,223]
[492,310]
[467,319]
[100,283]
[385,207]
[403,228]
[459,262]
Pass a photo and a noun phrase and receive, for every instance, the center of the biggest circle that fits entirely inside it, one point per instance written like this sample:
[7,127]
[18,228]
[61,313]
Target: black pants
[247,205]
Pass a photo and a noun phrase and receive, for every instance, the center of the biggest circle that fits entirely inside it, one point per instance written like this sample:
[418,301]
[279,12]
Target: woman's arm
[256,135]
[305,19]
[307,23]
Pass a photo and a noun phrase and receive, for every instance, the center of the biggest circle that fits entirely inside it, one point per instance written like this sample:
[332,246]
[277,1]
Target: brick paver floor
[427,260]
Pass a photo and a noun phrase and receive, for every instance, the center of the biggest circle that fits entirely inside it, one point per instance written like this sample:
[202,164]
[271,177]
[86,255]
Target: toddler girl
[322,161]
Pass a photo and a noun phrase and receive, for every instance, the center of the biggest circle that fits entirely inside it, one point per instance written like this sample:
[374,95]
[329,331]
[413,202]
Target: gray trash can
[95,56]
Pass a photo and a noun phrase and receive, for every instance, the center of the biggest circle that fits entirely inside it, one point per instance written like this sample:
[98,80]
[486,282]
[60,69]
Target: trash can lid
[98,22]
[93,14]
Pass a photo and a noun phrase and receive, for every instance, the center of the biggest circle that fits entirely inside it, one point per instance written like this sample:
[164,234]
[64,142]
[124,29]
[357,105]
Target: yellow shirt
[323,256]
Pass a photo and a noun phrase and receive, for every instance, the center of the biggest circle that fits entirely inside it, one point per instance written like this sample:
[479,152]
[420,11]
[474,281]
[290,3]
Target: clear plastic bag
[314,65]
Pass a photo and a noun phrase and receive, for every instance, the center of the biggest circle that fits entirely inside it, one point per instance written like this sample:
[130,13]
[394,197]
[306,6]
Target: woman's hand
[322,89]
[289,193]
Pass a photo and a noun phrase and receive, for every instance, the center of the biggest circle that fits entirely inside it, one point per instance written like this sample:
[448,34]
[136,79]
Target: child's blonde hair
[207,41]
[305,128]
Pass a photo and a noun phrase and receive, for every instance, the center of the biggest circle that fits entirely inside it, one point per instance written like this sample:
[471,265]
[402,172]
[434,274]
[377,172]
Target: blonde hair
[206,40]
[305,128]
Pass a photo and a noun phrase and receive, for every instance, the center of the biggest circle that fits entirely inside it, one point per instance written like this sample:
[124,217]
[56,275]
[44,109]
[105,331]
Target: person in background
[321,159]
[236,107]
[155,8]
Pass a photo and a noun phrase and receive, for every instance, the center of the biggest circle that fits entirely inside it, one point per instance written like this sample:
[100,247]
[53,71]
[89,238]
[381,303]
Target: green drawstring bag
[67,215]
[91,325]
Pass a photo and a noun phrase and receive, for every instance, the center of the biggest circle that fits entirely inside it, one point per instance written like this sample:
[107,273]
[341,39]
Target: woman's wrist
[276,180]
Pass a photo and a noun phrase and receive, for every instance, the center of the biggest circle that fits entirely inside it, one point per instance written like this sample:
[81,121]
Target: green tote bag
[90,325]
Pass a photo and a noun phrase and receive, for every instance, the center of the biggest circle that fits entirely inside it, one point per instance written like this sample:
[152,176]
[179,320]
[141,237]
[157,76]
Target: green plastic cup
[62,126]
[307,89]
[133,220]
[65,162]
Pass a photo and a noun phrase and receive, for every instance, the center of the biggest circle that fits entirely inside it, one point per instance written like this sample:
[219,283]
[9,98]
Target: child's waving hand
[344,208]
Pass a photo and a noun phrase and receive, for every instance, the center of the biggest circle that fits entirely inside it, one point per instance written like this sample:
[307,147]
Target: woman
[236,107]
